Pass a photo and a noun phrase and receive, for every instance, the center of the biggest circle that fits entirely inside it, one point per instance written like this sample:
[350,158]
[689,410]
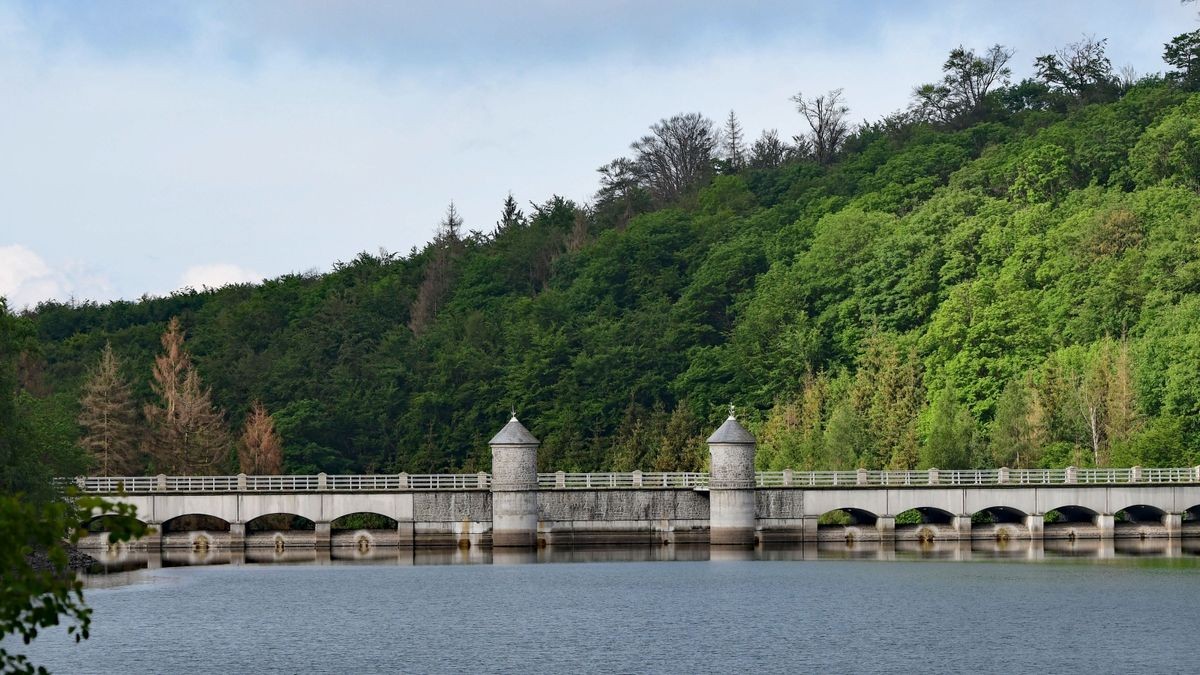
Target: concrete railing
[634,480]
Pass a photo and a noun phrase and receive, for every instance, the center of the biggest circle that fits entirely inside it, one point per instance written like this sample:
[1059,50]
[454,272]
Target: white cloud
[24,276]
[27,279]
[217,275]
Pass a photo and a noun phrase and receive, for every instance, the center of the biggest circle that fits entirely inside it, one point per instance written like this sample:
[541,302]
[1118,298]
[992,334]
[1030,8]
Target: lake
[1069,607]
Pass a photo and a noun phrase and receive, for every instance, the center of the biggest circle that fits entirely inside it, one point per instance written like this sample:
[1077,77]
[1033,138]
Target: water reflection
[119,566]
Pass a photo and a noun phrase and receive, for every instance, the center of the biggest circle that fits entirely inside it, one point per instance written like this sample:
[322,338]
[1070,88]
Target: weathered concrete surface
[582,517]
[665,515]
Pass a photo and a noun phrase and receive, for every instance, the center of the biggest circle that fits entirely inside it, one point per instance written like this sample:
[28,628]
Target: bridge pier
[1106,522]
[731,502]
[153,540]
[887,528]
[323,534]
[962,525]
[237,535]
[809,527]
[514,486]
[406,533]
[1173,522]
[1036,524]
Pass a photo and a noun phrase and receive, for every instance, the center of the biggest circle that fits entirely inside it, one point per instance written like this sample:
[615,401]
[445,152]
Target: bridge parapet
[635,480]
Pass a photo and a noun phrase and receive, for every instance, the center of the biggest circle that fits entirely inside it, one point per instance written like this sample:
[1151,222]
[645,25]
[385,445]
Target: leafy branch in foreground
[40,590]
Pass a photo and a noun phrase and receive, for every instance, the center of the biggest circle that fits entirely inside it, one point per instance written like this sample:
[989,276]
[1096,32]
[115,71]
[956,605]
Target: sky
[150,146]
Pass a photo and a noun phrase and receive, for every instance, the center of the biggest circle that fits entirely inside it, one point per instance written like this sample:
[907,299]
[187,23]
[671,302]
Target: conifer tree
[109,419]
[439,272]
[187,433]
[260,451]
[733,143]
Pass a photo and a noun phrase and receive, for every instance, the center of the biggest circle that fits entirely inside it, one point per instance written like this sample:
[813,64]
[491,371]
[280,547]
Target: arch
[1192,513]
[1140,513]
[279,522]
[848,516]
[1071,513]
[999,515]
[363,520]
[97,523]
[924,515]
[194,522]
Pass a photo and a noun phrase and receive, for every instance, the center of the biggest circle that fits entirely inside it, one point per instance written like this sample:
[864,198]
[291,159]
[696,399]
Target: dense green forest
[1001,273]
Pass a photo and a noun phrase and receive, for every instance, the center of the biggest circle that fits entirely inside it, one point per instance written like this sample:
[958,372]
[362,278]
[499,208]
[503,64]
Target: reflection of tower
[731,485]
[514,486]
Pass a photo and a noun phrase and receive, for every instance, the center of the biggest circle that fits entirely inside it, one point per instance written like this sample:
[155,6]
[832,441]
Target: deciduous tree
[676,155]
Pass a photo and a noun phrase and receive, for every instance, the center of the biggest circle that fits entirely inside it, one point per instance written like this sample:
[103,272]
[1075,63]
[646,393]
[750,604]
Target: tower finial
[514,413]
[732,411]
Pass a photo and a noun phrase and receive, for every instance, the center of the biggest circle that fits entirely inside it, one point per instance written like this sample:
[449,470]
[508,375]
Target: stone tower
[514,486]
[731,484]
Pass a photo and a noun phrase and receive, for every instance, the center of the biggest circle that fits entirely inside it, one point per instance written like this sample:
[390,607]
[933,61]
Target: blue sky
[147,146]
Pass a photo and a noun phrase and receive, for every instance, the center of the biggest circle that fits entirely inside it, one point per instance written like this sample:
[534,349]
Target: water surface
[1101,610]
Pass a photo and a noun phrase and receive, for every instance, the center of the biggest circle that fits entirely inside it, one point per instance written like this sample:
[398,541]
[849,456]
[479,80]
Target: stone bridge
[734,505]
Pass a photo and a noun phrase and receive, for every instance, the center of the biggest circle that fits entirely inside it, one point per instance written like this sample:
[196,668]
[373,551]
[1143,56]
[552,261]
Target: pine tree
[510,216]
[260,451]
[187,433]
[109,419]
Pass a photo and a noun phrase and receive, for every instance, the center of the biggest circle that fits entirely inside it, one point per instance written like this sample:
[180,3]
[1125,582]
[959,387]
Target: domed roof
[731,432]
[513,433]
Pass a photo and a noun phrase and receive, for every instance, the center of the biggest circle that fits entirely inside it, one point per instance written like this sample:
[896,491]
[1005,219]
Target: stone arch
[922,515]
[1192,513]
[194,522]
[363,520]
[96,523]
[857,517]
[304,506]
[1001,515]
[1071,513]
[276,522]
[1140,513]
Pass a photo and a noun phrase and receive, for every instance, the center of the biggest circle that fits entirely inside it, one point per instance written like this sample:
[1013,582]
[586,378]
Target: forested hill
[1000,274]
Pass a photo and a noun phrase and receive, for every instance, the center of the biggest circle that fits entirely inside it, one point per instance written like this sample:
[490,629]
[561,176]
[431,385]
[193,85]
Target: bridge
[452,509]
[733,505]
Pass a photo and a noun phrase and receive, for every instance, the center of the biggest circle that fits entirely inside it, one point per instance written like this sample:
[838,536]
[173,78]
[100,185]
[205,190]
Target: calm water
[1088,608]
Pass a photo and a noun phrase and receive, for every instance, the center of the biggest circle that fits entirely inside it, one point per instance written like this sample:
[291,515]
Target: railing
[637,479]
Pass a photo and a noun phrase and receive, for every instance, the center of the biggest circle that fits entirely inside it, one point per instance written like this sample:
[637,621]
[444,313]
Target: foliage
[39,596]
[1016,285]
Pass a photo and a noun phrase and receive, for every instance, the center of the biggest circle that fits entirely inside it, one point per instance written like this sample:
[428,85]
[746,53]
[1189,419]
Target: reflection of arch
[194,522]
[1071,514]
[1141,513]
[924,515]
[276,522]
[363,520]
[855,516]
[999,515]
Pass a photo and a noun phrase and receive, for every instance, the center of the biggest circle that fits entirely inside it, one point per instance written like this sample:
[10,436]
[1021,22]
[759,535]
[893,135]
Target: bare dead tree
[827,116]
[733,144]
[446,247]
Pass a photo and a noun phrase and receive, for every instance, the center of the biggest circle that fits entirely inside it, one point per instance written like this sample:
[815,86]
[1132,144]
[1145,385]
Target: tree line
[999,272]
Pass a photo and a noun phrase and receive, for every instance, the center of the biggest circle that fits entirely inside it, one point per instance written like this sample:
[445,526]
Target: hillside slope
[1023,291]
